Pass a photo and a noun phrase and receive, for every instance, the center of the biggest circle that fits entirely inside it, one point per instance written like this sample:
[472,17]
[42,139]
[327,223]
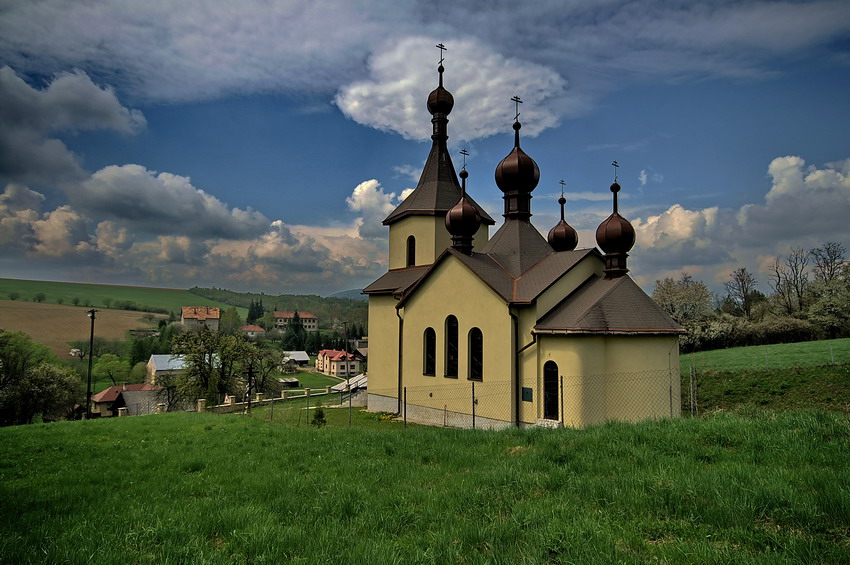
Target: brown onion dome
[463,219]
[563,237]
[440,101]
[615,234]
[517,172]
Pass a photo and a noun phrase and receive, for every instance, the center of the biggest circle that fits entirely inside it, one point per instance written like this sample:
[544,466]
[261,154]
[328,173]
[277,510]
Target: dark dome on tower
[615,234]
[517,172]
[440,101]
[463,219]
[563,237]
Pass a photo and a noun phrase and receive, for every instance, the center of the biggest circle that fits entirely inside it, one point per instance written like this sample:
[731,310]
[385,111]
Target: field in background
[54,325]
[168,299]
[781,355]
[206,488]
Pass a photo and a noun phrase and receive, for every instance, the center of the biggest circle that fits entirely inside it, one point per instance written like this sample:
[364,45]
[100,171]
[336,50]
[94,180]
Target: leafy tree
[313,343]
[688,301]
[138,372]
[60,300]
[75,301]
[39,297]
[112,366]
[107,302]
[31,382]
[267,322]
[741,288]
[14,295]
[319,419]
[230,321]
[214,362]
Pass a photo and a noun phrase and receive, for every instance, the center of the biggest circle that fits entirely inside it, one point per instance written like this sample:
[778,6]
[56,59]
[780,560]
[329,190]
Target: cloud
[29,117]
[373,205]
[163,203]
[391,99]
[804,207]
[642,177]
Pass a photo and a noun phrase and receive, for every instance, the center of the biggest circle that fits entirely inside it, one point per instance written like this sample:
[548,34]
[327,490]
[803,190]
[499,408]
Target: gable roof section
[396,280]
[200,313]
[608,306]
[111,394]
[438,190]
[517,246]
[545,272]
[168,362]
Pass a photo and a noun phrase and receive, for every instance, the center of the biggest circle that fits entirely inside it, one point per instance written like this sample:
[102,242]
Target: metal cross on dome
[442,48]
[616,166]
[562,183]
[465,154]
[518,102]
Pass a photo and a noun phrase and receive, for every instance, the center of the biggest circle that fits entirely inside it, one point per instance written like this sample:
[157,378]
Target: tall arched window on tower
[429,352]
[550,391]
[476,354]
[411,251]
[451,347]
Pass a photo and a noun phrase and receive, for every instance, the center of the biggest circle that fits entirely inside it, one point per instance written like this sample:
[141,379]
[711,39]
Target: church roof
[517,245]
[396,280]
[545,272]
[604,305]
[437,192]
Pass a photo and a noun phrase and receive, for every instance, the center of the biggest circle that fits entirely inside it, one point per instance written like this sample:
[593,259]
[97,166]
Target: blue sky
[258,145]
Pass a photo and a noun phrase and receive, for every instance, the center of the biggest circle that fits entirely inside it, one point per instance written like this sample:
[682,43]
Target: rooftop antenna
[465,154]
[518,102]
[442,48]
[616,166]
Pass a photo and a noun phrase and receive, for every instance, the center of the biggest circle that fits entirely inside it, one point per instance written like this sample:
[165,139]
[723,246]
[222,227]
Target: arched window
[451,347]
[476,354]
[429,352]
[411,251]
[550,391]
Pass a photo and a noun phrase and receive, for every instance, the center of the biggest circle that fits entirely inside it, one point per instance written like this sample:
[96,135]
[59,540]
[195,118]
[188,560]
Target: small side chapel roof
[396,280]
[608,306]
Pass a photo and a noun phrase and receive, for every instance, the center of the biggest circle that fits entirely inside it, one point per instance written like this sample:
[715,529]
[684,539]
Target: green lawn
[803,354]
[170,300]
[206,488]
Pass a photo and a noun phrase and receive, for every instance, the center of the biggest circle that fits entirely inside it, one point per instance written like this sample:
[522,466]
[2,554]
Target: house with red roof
[252,331]
[139,398]
[338,363]
[199,317]
[309,322]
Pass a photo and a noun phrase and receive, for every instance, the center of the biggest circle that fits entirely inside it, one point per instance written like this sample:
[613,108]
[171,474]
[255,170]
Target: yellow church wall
[431,236]
[383,350]
[453,289]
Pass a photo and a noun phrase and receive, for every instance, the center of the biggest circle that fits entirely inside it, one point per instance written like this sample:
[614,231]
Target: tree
[138,372]
[14,295]
[31,381]
[741,287]
[829,261]
[230,321]
[111,366]
[686,300]
[213,363]
[39,297]
[789,280]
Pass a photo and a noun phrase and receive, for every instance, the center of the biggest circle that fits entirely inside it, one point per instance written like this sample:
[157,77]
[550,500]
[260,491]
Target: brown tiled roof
[544,273]
[438,190]
[396,280]
[608,306]
[111,394]
[301,315]
[252,328]
[336,355]
[201,313]
[517,246]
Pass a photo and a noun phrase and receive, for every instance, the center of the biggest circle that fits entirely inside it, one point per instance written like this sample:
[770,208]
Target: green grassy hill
[782,355]
[201,488]
[99,295]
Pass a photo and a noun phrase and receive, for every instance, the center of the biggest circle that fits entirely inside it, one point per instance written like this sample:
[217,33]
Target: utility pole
[345,348]
[91,314]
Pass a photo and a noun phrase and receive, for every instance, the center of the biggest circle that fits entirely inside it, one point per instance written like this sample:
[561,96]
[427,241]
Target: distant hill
[353,294]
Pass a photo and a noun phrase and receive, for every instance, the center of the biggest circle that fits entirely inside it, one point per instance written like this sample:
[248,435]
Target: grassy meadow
[202,488]
[97,295]
[780,355]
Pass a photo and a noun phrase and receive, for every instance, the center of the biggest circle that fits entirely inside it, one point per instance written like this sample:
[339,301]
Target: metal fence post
[563,416]
[692,391]
[473,405]
[348,387]
[404,407]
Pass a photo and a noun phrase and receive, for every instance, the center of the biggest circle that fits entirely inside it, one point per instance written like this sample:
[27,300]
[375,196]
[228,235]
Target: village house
[160,366]
[516,329]
[252,331]
[199,317]
[136,398]
[308,321]
[338,363]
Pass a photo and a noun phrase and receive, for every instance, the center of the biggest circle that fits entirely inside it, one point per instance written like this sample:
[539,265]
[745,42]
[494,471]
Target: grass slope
[201,488]
[169,299]
[781,355]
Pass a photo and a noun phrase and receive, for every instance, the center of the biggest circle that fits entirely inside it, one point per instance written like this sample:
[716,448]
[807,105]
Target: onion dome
[615,237]
[563,237]
[517,176]
[463,220]
[440,101]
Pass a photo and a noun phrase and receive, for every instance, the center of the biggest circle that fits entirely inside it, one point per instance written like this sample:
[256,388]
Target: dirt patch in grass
[55,325]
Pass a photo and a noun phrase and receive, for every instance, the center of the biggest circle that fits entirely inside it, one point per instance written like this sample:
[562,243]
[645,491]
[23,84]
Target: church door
[550,391]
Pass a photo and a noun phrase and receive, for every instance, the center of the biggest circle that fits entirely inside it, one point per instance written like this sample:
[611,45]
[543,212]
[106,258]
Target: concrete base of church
[435,416]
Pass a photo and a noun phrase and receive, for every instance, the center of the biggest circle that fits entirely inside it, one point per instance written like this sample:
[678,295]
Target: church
[516,329]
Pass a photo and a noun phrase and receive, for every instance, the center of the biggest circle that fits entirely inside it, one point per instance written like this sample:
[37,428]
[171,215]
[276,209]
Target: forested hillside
[327,309]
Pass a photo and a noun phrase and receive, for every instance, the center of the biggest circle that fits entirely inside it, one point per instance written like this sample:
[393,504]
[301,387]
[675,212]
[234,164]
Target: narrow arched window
[476,354]
[451,347]
[411,251]
[550,391]
[429,352]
